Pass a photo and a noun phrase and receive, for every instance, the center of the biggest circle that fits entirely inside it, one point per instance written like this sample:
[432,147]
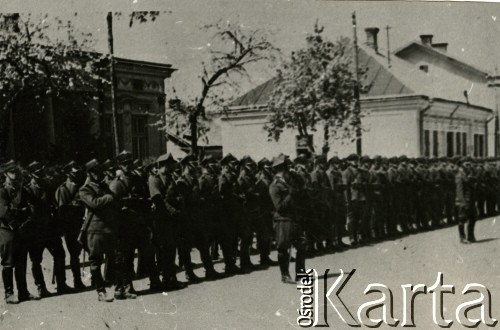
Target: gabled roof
[377,81]
[411,46]
[398,78]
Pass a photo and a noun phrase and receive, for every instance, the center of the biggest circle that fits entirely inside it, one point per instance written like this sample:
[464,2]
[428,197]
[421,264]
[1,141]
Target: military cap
[334,160]
[365,159]
[92,165]
[352,157]
[320,159]
[300,159]
[377,158]
[247,160]
[35,169]
[228,159]
[279,160]
[206,160]
[167,159]
[124,157]
[394,160]
[403,158]
[263,163]
[188,160]
[71,168]
[108,164]
[10,167]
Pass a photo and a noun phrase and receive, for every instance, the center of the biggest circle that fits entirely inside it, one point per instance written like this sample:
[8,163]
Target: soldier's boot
[284,263]
[78,284]
[191,276]
[42,291]
[8,284]
[26,296]
[461,233]
[77,276]
[470,231]
[104,296]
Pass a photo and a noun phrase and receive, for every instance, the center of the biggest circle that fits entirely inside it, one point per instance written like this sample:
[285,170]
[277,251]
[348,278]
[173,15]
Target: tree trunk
[4,131]
[112,74]
[193,123]
[326,145]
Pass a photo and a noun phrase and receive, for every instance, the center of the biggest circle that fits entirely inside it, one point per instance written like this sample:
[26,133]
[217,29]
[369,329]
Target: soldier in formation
[165,209]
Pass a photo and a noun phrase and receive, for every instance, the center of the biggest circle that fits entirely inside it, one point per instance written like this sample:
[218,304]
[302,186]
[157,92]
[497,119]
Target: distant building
[423,103]
[40,129]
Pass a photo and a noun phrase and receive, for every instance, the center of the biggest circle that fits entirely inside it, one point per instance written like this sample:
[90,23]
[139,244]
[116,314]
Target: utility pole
[112,74]
[387,28]
[356,92]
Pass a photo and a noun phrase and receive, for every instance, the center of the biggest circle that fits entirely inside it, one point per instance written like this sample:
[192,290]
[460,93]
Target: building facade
[420,102]
[69,126]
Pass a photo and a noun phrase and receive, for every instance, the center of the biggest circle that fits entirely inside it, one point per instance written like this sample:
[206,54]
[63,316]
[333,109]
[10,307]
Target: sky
[472,29]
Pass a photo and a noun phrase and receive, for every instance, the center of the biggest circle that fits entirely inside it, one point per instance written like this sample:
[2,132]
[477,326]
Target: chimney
[426,39]
[371,37]
[442,46]
[9,22]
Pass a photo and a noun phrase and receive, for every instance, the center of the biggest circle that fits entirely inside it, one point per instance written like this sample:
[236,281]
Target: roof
[445,56]
[400,78]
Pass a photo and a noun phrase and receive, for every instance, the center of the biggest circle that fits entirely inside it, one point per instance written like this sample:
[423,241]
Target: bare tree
[233,49]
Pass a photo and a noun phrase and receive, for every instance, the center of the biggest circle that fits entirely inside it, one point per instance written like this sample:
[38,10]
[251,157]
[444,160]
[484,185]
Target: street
[260,301]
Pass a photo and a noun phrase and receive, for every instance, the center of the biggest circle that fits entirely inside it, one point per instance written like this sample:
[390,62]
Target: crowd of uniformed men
[166,208]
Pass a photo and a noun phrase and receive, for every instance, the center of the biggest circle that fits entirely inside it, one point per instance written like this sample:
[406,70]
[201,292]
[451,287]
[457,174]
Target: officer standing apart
[288,231]
[465,185]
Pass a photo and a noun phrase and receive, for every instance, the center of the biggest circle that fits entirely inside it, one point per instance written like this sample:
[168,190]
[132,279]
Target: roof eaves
[440,54]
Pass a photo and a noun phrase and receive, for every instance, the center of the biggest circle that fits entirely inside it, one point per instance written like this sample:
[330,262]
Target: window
[464,144]
[449,144]
[435,144]
[458,144]
[427,143]
[107,133]
[140,136]
[478,145]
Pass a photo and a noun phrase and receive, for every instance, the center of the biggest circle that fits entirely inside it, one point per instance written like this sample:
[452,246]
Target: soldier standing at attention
[71,213]
[44,232]
[163,194]
[288,230]
[321,205]
[227,210]
[355,198]
[128,189]
[464,201]
[193,224]
[13,217]
[264,228]
[100,227]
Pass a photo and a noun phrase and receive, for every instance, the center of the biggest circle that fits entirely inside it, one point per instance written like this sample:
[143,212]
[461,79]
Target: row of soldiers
[167,208]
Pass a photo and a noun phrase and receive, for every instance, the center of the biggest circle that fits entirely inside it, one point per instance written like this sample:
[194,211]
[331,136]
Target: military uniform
[13,222]
[134,231]
[288,231]
[71,212]
[164,195]
[44,233]
[465,185]
[101,229]
[193,227]
[355,197]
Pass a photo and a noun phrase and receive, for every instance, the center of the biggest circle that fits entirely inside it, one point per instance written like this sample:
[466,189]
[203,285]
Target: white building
[421,103]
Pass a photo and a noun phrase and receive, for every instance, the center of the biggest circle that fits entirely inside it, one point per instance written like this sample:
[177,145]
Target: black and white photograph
[249,164]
